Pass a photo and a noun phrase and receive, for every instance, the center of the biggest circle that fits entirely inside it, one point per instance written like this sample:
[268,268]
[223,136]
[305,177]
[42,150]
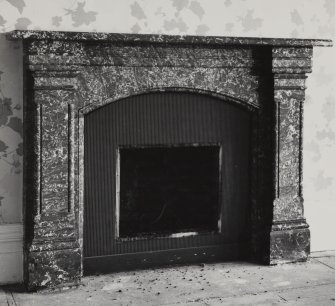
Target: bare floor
[310,283]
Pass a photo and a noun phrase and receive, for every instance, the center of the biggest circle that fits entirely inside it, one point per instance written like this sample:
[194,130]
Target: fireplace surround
[100,107]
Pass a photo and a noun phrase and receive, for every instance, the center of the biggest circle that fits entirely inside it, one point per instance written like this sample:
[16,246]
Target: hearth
[145,150]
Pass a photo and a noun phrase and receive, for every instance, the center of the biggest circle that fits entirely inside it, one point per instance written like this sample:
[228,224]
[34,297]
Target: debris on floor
[309,283]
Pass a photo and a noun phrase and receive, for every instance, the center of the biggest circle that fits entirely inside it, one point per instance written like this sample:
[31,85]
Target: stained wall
[265,18]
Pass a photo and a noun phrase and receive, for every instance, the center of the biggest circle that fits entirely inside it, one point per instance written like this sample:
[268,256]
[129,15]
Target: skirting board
[11,253]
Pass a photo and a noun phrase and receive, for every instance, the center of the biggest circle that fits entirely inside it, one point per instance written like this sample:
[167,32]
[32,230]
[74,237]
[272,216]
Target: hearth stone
[68,75]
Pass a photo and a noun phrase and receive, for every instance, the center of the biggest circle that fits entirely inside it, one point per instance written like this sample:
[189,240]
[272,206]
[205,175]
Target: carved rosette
[289,237]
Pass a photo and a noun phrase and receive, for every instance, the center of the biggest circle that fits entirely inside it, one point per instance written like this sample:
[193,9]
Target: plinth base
[289,245]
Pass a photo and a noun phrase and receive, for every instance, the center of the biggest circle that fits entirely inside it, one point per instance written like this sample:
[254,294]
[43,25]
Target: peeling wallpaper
[265,18]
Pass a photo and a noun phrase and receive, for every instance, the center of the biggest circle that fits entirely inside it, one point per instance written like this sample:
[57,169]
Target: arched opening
[167,180]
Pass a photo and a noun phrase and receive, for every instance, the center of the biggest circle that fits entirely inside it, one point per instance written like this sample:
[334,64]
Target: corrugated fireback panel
[163,118]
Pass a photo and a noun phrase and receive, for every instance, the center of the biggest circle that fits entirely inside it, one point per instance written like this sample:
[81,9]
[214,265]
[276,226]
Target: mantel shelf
[166,39]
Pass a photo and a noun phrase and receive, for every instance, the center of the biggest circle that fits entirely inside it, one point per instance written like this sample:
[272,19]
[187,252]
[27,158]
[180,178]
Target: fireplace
[164,173]
[145,150]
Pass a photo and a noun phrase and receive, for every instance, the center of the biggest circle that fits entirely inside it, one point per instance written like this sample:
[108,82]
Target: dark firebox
[168,190]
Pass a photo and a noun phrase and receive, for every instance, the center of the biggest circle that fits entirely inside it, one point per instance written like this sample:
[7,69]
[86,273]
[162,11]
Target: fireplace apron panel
[163,121]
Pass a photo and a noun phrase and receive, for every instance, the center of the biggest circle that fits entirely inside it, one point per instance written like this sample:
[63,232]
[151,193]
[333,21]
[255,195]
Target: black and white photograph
[167,152]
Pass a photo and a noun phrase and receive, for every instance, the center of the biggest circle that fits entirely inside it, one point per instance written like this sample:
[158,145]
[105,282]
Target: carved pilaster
[52,253]
[289,237]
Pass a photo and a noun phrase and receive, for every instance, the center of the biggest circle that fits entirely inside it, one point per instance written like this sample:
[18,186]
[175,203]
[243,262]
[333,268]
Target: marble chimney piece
[69,74]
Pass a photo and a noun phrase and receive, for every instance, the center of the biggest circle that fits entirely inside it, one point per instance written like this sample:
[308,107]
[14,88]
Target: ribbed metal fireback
[163,118]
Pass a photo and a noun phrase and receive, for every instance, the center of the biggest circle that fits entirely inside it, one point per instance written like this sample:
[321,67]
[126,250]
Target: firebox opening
[168,190]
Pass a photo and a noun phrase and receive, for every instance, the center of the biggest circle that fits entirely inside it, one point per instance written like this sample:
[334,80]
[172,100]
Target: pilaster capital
[290,63]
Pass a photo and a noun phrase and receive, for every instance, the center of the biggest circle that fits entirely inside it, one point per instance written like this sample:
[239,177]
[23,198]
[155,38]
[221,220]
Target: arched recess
[163,121]
[247,105]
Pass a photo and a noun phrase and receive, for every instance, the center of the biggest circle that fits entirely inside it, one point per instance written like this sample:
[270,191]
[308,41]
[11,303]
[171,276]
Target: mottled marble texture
[290,234]
[239,18]
[166,39]
[197,17]
[69,75]
[289,246]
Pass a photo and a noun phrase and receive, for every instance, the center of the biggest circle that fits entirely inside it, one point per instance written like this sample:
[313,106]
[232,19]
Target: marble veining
[167,39]
[69,74]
